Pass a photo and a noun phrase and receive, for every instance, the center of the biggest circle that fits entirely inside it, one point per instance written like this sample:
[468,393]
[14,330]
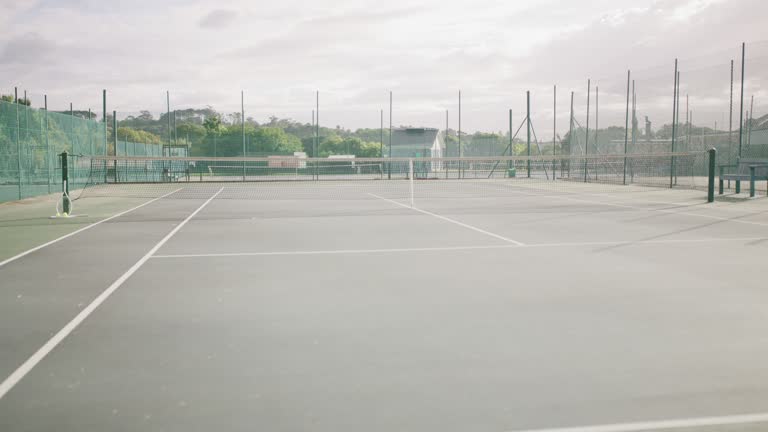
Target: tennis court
[475,303]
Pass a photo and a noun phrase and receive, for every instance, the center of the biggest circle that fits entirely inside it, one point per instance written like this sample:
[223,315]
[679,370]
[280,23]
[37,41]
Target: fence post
[18,138]
[626,131]
[114,132]
[528,136]
[48,154]
[106,133]
[752,182]
[711,176]
[410,176]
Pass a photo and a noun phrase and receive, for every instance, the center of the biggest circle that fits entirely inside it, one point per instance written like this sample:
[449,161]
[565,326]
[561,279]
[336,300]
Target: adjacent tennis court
[363,300]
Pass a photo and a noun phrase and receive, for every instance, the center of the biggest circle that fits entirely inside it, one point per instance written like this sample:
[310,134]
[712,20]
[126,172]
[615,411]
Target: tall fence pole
[104,120]
[381,132]
[741,103]
[626,131]
[313,153]
[317,130]
[674,122]
[389,162]
[528,136]
[586,139]
[597,119]
[750,120]
[711,175]
[18,140]
[168,114]
[677,125]
[461,164]
[509,162]
[570,135]
[688,121]
[730,120]
[554,130]
[114,132]
[242,128]
[48,144]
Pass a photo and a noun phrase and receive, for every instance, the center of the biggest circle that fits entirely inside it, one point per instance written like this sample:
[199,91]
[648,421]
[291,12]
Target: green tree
[137,136]
[271,140]
[212,124]
[192,134]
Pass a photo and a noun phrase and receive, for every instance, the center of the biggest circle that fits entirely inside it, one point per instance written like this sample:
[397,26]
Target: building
[418,143]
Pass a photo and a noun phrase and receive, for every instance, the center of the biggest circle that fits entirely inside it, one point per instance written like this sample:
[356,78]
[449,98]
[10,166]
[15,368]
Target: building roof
[414,136]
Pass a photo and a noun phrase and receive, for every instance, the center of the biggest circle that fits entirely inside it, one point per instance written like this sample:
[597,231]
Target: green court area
[27,223]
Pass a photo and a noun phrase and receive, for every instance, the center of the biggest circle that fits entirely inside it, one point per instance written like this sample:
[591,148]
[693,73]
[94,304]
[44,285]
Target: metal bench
[746,169]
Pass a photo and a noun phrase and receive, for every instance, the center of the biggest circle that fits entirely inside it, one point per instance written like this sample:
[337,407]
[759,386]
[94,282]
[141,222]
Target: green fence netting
[31,139]
[127,148]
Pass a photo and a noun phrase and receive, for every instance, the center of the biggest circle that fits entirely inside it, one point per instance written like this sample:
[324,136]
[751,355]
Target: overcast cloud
[355,51]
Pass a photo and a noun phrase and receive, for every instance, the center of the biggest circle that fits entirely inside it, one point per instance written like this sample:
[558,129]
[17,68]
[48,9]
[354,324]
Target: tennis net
[293,178]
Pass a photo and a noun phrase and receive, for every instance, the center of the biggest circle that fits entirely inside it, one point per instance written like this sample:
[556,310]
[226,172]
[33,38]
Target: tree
[193,134]
[137,136]
[270,140]
[145,115]
[212,124]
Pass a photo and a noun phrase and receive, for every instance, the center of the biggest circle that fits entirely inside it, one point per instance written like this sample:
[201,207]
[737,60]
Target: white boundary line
[40,354]
[456,248]
[453,221]
[36,248]
[663,424]
[335,252]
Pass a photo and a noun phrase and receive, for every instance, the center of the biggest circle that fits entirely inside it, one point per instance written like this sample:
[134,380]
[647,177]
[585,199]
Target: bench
[747,169]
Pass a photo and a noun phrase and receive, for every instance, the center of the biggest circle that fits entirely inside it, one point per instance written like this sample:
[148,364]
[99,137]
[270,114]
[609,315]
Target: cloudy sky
[355,51]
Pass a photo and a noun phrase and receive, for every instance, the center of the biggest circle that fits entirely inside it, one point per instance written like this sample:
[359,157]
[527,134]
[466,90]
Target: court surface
[578,309]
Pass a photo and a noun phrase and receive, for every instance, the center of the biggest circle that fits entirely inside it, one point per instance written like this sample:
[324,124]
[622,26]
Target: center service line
[450,220]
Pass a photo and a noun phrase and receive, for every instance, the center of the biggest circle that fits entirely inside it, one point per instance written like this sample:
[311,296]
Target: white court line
[31,362]
[651,209]
[334,252]
[663,424]
[36,248]
[458,248]
[453,221]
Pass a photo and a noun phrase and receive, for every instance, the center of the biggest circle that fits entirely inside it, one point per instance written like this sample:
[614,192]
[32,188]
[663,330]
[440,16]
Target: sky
[354,52]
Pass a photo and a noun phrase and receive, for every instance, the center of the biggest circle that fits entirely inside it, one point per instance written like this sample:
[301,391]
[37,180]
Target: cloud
[28,49]
[355,51]
[216,19]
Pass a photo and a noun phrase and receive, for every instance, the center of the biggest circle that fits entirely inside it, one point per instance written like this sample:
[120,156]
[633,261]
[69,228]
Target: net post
[751,181]
[711,176]
[410,176]
[65,182]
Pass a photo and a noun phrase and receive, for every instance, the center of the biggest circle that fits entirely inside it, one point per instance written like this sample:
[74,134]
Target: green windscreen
[31,139]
